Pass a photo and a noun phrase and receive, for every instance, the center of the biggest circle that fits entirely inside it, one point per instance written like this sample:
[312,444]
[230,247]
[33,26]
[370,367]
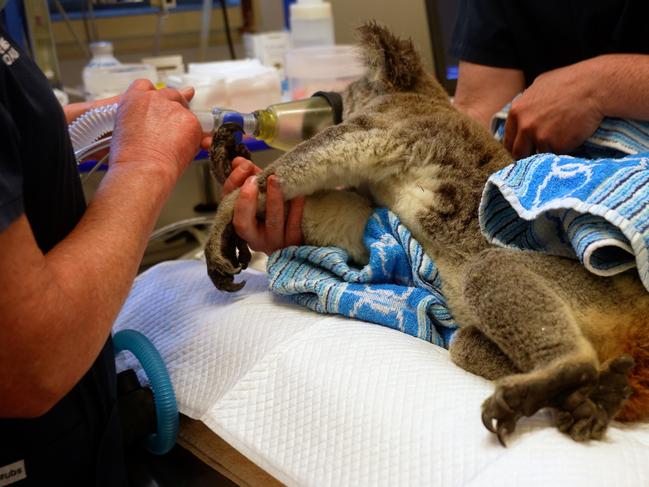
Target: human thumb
[188,93]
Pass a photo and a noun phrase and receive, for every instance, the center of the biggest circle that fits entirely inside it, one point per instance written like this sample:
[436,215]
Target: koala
[545,330]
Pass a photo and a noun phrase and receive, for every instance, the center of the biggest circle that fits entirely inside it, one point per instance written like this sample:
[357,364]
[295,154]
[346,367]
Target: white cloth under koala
[325,400]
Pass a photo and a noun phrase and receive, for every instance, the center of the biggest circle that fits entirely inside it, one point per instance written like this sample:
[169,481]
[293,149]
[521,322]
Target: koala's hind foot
[585,400]
[531,323]
[587,417]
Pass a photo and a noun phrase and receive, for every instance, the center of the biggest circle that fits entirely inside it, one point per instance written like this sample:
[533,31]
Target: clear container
[104,82]
[209,91]
[284,125]
[102,55]
[325,68]
[248,84]
[311,23]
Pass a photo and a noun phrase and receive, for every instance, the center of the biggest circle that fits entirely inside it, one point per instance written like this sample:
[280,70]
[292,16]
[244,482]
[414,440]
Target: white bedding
[324,400]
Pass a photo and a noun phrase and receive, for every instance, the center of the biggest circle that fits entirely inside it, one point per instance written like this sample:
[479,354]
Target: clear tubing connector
[284,125]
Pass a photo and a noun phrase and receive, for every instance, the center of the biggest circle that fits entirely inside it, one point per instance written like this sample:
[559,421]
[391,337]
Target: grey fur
[540,326]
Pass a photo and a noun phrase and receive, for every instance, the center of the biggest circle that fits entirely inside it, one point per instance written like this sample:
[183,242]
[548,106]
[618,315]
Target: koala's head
[393,65]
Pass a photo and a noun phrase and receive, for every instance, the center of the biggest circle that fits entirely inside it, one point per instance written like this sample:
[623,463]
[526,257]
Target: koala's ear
[390,60]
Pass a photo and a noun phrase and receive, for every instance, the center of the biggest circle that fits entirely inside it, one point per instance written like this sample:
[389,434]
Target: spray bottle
[284,125]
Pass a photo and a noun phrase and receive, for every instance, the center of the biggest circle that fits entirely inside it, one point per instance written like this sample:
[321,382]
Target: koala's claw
[496,408]
[225,280]
[226,255]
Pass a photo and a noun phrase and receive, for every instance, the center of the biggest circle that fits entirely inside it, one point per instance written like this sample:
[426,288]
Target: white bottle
[311,23]
[102,58]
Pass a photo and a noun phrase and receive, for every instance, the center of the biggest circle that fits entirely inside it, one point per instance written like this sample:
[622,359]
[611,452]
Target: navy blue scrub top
[77,442]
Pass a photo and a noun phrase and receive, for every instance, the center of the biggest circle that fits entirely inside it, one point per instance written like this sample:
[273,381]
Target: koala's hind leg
[519,311]
[337,218]
[473,351]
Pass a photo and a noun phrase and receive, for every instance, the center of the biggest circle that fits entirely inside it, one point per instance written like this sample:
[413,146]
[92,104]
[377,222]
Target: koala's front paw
[226,253]
[224,149]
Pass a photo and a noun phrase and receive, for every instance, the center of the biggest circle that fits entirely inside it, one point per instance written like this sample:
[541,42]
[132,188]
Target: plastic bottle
[102,57]
[284,125]
[311,23]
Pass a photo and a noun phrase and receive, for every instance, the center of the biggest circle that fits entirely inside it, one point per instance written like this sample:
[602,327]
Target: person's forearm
[75,110]
[57,309]
[483,90]
[104,250]
[81,284]
[621,84]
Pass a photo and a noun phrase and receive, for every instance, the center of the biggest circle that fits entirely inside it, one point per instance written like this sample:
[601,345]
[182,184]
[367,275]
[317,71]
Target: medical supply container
[330,68]
[284,125]
[248,83]
[312,23]
[102,57]
[103,82]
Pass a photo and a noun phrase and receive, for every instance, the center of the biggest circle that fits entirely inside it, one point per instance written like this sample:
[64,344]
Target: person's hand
[280,229]
[155,129]
[557,113]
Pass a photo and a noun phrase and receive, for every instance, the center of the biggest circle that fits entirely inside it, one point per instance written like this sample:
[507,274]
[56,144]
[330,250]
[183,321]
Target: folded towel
[399,287]
[594,210]
[615,137]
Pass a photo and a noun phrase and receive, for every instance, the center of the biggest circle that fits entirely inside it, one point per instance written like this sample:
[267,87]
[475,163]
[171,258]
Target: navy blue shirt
[77,442]
[540,35]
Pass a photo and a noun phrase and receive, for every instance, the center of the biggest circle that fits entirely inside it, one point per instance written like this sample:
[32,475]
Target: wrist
[611,89]
[597,82]
[150,177]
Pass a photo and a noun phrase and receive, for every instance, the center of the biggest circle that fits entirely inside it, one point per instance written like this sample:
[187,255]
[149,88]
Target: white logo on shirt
[13,472]
[7,52]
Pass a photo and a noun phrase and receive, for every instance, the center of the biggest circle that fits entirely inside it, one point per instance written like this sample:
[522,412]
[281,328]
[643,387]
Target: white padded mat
[324,400]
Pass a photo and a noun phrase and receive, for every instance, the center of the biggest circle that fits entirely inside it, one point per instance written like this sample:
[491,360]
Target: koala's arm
[343,155]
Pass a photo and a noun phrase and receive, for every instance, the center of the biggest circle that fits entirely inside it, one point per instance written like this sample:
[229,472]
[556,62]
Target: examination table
[272,393]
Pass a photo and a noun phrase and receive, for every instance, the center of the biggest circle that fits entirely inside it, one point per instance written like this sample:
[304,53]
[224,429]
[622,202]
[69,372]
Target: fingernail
[251,180]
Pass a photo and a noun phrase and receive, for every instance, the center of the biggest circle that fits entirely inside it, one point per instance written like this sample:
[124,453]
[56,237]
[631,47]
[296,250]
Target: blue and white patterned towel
[615,137]
[594,210]
[399,287]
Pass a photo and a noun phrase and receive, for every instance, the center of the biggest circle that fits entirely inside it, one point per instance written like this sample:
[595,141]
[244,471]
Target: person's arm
[75,110]
[483,90]
[57,309]
[563,107]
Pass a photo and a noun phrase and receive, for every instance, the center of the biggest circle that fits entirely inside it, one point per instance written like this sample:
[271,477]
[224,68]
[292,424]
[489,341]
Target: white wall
[406,18]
